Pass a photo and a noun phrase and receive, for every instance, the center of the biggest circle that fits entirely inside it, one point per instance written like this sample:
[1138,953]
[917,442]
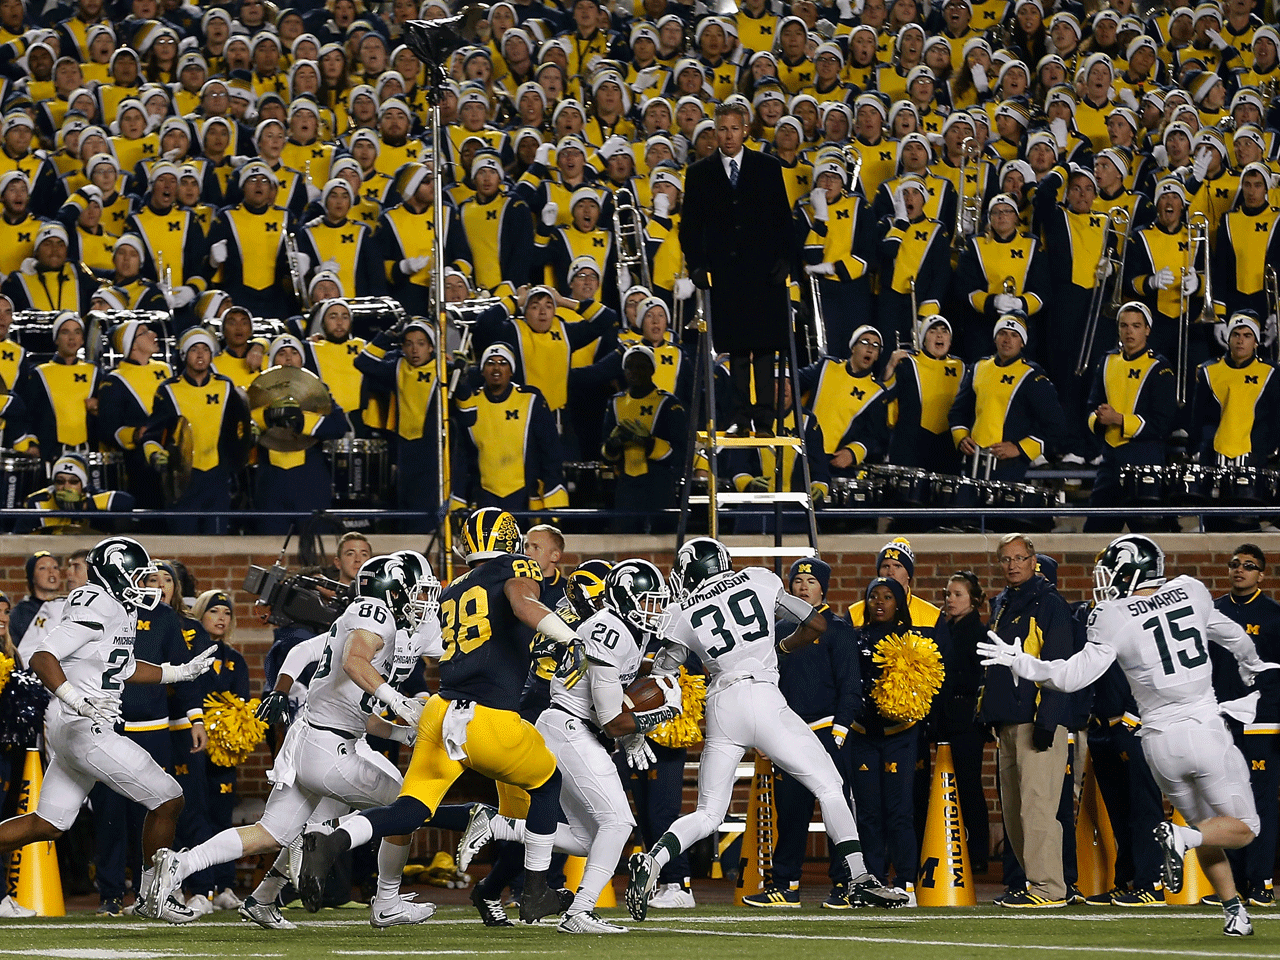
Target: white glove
[28,266]
[239,160]
[181,297]
[399,734]
[624,278]
[303,262]
[980,81]
[1216,41]
[411,265]
[1200,165]
[820,269]
[173,154]
[1162,279]
[197,666]
[684,288]
[997,653]
[845,8]
[818,200]
[1160,155]
[1220,334]
[408,710]
[1105,269]
[640,755]
[1058,127]
[98,709]
[1250,673]
[899,206]
[1190,283]
[332,266]
[672,695]
[661,204]
[1269,331]
[543,156]
[1129,99]
[550,213]
[1007,303]
[218,253]
[313,193]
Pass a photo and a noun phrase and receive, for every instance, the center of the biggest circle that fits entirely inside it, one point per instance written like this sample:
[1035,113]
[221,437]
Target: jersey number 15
[1187,637]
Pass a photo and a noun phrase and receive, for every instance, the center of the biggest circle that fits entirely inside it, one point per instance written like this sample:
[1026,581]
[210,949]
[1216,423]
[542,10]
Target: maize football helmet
[490,532]
[585,586]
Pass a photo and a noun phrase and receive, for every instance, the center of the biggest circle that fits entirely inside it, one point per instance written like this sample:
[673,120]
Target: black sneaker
[1104,899]
[109,908]
[838,899]
[773,897]
[1212,900]
[492,913]
[1262,898]
[1074,897]
[1139,898]
[1026,900]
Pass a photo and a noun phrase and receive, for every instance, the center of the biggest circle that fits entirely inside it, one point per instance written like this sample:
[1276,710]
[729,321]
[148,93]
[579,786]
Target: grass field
[709,933]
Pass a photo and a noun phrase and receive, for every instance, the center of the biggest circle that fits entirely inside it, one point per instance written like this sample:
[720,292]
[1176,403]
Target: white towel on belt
[283,771]
[454,728]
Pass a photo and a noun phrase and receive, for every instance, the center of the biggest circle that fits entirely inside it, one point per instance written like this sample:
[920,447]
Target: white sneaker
[585,922]
[1237,923]
[266,915]
[200,905]
[11,909]
[401,910]
[478,833]
[672,896]
[226,900]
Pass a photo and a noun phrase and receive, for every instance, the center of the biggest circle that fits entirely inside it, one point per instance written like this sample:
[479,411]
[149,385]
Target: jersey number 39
[750,622]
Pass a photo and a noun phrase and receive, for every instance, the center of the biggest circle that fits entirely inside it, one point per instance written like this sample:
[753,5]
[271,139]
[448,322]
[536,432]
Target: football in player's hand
[643,694]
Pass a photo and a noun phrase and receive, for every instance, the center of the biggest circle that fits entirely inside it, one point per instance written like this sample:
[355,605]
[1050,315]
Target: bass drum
[361,471]
[106,470]
[19,478]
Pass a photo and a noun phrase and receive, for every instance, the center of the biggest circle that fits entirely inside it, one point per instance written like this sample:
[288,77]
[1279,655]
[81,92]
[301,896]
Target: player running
[1157,632]
[586,703]
[727,619]
[86,660]
[395,596]
[473,722]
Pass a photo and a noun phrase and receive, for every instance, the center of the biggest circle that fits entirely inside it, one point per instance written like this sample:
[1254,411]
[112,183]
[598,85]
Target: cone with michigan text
[1195,885]
[945,878]
[33,879]
[1095,841]
[573,867]
[760,834]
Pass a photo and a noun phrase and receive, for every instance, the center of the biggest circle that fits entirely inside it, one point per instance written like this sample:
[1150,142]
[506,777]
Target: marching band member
[125,401]
[839,247]
[850,404]
[246,243]
[1240,262]
[342,246]
[923,384]
[915,264]
[59,394]
[1231,395]
[47,280]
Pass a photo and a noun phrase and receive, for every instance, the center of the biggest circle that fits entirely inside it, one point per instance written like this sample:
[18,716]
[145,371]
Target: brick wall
[217,565]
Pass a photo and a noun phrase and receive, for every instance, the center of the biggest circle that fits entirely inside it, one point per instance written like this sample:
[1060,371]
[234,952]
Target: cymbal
[288,387]
[176,477]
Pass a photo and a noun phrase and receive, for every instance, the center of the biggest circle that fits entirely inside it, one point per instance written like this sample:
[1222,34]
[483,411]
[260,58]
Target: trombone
[818,335]
[1113,247]
[1198,239]
[1271,288]
[628,236]
[299,284]
[966,207]
[915,320]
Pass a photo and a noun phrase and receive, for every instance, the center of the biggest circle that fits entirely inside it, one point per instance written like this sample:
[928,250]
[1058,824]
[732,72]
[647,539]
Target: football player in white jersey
[1158,631]
[86,660]
[320,759]
[727,619]
[587,701]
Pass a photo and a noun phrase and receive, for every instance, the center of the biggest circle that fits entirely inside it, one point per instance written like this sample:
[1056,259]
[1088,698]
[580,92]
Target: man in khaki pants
[1029,724]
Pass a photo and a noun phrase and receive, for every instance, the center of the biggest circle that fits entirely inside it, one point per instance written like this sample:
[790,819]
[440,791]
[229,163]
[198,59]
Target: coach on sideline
[736,227]
[1029,723]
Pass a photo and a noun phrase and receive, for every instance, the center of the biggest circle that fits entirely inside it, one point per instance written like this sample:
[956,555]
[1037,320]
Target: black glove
[1042,739]
[700,278]
[288,415]
[273,709]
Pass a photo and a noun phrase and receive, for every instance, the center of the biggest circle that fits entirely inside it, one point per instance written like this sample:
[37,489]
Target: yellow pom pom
[684,731]
[6,668]
[912,676]
[234,731]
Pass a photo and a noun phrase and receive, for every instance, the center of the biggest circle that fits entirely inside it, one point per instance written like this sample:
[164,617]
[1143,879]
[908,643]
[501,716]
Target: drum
[1245,486]
[19,477]
[591,484]
[1020,495]
[1188,484]
[361,471]
[1142,483]
[106,470]
[861,491]
[911,487]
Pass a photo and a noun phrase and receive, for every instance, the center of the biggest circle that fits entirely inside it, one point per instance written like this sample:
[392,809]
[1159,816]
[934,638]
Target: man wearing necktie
[737,239]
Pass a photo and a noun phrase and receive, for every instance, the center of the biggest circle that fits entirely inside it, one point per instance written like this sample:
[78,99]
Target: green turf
[704,934]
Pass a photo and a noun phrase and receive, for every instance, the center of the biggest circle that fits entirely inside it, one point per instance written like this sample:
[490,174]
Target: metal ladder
[704,400]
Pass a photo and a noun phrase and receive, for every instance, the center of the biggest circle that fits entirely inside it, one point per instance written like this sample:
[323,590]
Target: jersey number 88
[464,621]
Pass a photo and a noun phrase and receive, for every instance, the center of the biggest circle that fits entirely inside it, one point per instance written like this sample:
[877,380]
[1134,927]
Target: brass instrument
[282,388]
[175,478]
[1112,254]
[966,206]
[164,275]
[915,320]
[628,237]
[1198,238]
[853,164]
[1270,89]
[1010,286]
[1271,287]
[299,283]
[818,335]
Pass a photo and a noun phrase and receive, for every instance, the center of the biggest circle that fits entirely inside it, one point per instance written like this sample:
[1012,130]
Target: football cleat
[773,897]
[566,898]
[867,890]
[265,915]
[171,910]
[166,879]
[538,900]
[642,874]
[478,833]
[492,913]
[587,923]
[1237,922]
[402,910]
[1173,851]
[672,896]
[319,850]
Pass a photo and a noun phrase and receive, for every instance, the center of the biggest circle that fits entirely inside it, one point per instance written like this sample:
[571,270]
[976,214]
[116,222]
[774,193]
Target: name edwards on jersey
[1137,606]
